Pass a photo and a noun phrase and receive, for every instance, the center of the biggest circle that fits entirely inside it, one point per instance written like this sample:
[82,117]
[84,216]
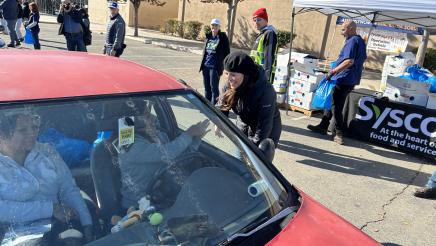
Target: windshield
[157,169]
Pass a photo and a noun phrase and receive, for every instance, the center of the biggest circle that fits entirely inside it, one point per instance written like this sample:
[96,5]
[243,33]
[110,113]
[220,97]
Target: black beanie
[240,62]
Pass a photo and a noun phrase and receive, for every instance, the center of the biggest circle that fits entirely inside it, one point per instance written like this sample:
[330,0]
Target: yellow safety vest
[258,56]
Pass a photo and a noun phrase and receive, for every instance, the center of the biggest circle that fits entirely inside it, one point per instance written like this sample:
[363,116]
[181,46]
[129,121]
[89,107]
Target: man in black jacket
[10,14]
[71,26]
[216,48]
[26,10]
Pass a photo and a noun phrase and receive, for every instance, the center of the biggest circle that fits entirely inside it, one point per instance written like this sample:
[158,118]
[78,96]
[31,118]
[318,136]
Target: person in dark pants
[429,191]
[115,32]
[33,25]
[347,74]
[10,14]
[216,48]
[251,97]
[71,26]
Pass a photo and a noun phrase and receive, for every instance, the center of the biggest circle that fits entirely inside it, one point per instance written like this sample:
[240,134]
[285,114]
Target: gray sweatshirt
[115,32]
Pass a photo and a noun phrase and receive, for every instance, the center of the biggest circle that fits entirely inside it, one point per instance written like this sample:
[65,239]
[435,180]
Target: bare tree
[231,14]
[136,4]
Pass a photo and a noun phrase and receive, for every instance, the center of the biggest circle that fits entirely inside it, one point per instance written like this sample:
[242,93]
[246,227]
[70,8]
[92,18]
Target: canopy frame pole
[420,55]
[289,61]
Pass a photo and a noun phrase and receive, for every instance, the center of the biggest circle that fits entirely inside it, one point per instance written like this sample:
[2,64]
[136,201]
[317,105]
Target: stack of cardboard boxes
[302,85]
[395,66]
[281,79]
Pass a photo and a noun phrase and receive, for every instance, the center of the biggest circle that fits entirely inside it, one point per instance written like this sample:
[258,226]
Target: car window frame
[292,192]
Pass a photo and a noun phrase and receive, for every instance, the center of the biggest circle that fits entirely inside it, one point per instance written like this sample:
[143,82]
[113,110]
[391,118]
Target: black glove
[88,233]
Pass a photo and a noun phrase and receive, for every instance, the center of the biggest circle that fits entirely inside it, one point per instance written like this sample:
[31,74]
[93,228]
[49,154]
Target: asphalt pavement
[368,185]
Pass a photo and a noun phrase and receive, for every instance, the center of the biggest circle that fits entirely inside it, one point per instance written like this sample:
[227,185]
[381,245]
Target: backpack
[87,34]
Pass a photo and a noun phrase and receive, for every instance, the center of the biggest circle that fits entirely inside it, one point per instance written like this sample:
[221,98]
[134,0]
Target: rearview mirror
[268,148]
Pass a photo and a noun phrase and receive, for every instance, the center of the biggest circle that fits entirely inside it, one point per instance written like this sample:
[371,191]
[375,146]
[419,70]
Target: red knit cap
[261,13]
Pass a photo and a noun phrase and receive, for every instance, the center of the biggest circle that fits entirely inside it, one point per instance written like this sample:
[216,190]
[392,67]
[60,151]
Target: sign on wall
[386,41]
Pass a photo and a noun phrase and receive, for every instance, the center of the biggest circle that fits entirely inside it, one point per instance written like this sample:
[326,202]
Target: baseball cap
[113,5]
[215,22]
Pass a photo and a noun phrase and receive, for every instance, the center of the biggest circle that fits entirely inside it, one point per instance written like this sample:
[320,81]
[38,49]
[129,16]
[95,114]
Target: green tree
[136,4]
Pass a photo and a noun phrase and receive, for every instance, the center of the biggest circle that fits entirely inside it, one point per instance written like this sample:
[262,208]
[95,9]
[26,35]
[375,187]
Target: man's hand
[331,74]
[63,213]
[199,130]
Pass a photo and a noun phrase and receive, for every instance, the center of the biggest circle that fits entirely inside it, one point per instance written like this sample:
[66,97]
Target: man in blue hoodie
[10,14]
[264,52]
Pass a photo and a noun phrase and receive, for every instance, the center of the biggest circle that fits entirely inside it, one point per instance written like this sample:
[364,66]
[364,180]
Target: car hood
[314,224]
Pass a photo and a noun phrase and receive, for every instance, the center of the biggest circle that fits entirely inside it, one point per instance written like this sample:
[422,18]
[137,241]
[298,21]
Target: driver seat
[107,180]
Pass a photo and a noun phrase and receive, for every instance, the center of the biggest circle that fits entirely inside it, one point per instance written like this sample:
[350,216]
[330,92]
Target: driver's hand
[199,130]
[63,213]
[88,233]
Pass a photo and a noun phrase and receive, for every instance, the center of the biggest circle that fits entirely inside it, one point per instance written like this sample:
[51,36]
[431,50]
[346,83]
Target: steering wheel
[167,182]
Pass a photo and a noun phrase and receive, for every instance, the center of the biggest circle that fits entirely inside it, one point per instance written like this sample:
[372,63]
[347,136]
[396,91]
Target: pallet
[306,112]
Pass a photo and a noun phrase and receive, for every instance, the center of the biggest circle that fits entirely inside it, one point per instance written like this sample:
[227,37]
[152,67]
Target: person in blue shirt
[36,186]
[33,25]
[216,48]
[347,74]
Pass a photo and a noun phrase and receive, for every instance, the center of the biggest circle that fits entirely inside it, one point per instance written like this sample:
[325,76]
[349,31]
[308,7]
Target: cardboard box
[296,84]
[305,59]
[307,73]
[397,95]
[301,101]
[281,71]
[431,103]
[280,87]
[409,86]
[407,91]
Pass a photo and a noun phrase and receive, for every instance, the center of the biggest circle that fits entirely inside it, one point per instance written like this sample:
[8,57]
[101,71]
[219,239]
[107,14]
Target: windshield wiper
[282,214]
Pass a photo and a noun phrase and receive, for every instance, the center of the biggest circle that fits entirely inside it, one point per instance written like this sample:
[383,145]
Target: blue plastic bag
[323,94]
[28,39]
[432,81]
[73,151]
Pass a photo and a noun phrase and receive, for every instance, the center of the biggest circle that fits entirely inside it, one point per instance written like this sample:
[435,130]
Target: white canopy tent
[419,13]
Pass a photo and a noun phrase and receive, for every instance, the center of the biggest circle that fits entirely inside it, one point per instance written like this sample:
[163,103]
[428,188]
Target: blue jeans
[432,181]
[75,42]
[12,33]
[35,36]
[211,81]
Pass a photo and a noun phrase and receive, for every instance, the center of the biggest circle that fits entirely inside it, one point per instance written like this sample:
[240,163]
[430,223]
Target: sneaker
[339,139]
[21,39]
[425,193]
[11,45]
[317,129]
[18,43]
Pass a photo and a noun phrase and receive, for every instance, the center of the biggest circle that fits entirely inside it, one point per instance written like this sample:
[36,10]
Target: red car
[101,151]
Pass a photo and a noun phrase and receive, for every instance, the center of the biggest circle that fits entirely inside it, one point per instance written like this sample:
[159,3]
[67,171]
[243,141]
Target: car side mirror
[267,147]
